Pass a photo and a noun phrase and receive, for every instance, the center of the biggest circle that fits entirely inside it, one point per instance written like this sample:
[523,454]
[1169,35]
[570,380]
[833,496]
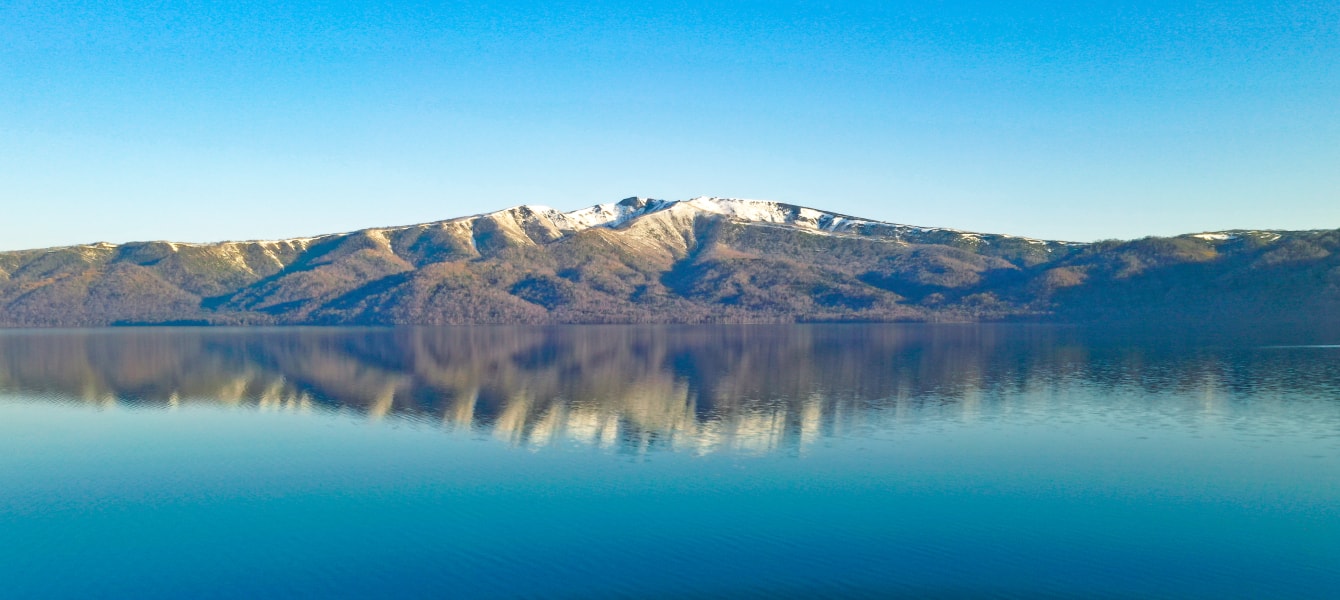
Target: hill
[693,261]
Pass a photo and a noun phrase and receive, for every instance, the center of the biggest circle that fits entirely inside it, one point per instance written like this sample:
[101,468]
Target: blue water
[574,462]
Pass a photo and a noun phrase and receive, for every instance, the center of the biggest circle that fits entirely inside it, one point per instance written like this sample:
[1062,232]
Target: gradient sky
[202,121]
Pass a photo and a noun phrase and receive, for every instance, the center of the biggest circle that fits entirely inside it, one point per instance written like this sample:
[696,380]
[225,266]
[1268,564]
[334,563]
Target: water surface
[765,461]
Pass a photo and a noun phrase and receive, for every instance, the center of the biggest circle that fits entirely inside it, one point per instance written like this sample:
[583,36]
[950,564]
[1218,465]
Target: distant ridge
[704,259]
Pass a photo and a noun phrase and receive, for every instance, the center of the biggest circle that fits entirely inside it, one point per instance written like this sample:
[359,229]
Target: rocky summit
[691,261]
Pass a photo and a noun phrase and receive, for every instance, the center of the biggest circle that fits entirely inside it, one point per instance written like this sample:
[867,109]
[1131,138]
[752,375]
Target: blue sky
[200,121]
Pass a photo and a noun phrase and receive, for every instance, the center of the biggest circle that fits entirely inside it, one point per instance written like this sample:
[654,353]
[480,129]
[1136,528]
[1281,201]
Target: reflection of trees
[699,388]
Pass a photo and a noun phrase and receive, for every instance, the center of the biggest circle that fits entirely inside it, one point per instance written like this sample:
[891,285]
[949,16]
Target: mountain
[657,261]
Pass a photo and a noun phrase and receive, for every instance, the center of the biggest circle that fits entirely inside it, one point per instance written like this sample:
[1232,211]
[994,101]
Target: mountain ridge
[704,259]
[590,216]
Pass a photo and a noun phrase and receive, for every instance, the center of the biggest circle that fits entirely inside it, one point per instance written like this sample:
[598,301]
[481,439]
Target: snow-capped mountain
[617,214]
[645,260]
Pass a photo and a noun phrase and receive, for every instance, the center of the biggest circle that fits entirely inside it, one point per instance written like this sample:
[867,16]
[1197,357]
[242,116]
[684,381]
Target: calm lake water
[609,461]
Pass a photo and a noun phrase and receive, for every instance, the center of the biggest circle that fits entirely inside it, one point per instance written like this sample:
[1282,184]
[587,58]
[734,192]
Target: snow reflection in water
[756,389]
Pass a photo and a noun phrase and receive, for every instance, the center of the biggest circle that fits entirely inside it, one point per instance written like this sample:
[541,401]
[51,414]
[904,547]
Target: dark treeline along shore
[706,260]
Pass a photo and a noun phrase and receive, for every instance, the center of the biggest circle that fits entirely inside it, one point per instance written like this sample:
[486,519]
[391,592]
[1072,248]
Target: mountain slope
[700,260]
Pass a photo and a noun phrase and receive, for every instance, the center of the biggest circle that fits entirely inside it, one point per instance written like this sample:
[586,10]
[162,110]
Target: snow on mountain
[616,215]
[613,214]
[1261,235]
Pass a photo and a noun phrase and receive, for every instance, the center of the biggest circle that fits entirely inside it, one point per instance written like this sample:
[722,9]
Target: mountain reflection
[751,388]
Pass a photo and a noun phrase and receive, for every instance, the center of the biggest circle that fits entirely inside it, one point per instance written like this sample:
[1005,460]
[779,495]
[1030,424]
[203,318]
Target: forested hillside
[701,260]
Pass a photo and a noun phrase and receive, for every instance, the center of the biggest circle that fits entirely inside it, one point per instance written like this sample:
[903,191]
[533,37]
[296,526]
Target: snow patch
[233,253]
[765,211]
[613,214]
[758,211]
[609,215]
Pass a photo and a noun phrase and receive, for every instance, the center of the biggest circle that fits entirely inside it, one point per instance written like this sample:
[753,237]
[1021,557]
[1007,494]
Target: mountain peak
[642,259]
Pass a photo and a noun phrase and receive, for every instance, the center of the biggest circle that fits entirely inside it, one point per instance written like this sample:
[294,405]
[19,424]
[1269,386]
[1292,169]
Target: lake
[943,461]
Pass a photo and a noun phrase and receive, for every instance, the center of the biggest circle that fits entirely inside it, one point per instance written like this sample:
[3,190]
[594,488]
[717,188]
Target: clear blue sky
[200,121]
